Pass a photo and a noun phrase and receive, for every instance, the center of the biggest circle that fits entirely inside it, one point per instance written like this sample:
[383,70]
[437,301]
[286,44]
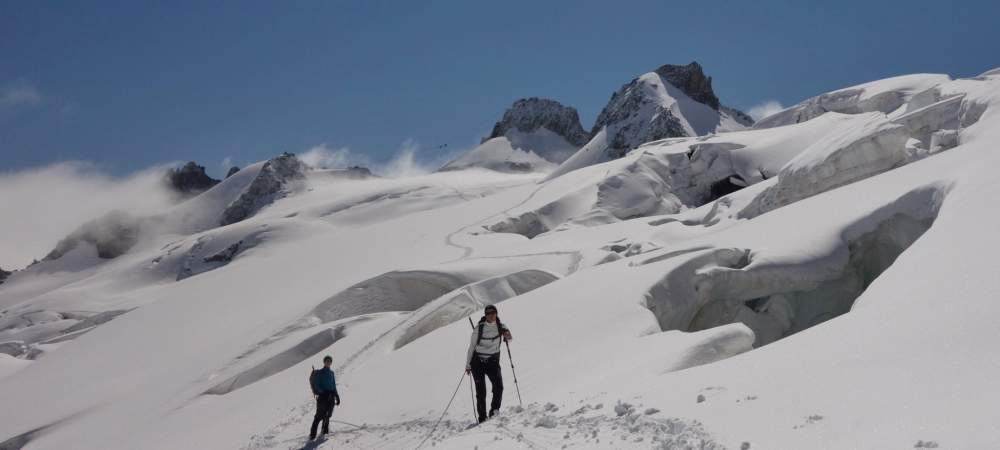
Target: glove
[336,399]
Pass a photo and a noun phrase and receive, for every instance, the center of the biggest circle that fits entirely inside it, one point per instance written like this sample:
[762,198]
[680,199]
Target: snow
[992,72]
[853,309]
[516,151]
[10,365]
[661,178]
[883,96]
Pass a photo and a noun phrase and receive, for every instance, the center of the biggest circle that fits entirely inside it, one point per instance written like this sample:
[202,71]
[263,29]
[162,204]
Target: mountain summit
[671,101]
[527,115]
[690,79]
[533,134]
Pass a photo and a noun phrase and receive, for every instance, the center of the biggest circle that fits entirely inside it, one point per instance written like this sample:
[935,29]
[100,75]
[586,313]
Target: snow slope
[884,96]
[516,151]
[836,291]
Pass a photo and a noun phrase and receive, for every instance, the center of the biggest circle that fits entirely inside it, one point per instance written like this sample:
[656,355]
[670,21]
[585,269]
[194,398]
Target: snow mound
[393,291]
[536,151]
[288,358]
[776,298]
[991,72]
[869,147]
[468,299]
[883,96]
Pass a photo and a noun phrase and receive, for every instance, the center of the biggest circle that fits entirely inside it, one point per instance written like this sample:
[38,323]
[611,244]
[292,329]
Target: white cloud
[17,96]
[42,205]
[764,109]
[227,162]
[407,161]
[321,156]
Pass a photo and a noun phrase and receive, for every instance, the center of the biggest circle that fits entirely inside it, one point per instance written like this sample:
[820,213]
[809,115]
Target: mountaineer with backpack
[483,360]
[324,389]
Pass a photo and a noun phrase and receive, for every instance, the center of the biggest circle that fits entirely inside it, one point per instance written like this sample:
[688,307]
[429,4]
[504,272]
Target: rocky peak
[4,274]
[692,81]
[636,114]
[190,179]
[530,114]
[232,171]
[633,117]
[266,187]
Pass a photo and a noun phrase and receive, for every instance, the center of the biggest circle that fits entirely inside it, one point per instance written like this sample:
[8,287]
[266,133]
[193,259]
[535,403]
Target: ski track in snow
[449,240]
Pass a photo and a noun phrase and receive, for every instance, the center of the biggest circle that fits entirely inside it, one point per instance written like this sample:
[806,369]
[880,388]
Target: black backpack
[312,380]
[500,329]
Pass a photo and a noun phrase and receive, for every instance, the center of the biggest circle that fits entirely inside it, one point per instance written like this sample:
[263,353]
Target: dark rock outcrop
[226,255]
[737,115]
[530,114]
[232,171]
[633,117]
[692,80]
[190,179]
[113,234]
[3,275]
[266,187]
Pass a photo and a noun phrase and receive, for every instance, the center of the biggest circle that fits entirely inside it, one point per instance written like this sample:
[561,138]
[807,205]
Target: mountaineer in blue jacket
[324,388]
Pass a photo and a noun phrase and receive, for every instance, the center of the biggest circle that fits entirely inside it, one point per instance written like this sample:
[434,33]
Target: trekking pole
[511,358]
[472,392]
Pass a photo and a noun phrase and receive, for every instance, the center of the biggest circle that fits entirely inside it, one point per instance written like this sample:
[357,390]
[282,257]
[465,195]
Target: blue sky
[131,84]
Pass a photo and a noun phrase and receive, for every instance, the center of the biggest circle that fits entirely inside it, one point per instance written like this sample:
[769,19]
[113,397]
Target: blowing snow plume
[406,162]
[43,205]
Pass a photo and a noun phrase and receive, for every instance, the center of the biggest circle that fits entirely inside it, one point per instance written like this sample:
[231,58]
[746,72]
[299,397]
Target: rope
[347,423]
[460,380]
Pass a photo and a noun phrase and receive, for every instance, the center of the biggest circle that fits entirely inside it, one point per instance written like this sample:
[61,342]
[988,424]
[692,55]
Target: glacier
[823,279]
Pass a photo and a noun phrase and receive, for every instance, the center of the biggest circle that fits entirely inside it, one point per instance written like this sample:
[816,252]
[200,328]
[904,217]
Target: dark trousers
[324,409]
[489,367]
